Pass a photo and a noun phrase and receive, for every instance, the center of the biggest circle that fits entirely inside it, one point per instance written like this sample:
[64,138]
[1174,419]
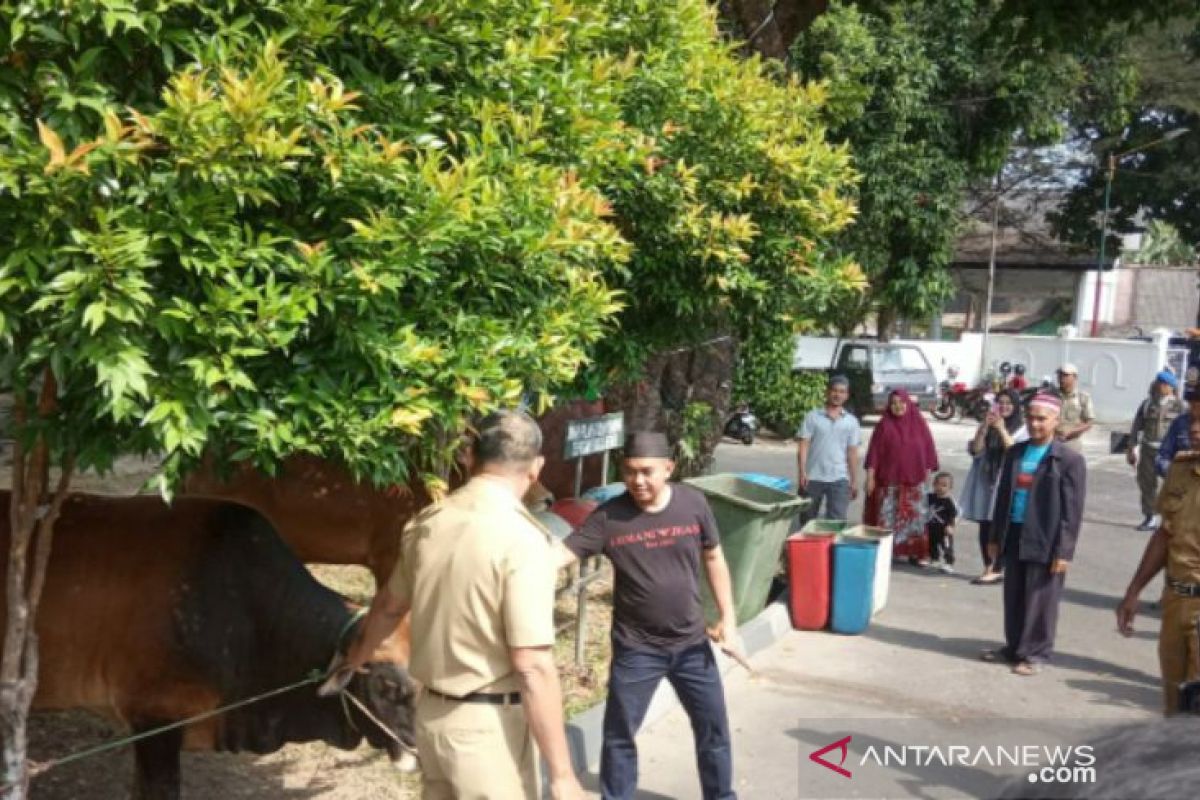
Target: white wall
[963,354]
[1116,372]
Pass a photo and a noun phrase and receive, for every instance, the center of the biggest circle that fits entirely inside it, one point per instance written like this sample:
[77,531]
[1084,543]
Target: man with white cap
[658,536]
[1150,425]
[1077,413]
[1035,523]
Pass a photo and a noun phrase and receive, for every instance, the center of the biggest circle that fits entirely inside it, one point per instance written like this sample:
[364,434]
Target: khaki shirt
[1179,504]
[1154,416]
[1076,409]
[479,574]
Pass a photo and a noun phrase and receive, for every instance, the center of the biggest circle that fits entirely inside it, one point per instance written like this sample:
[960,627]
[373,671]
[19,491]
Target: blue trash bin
[772,481]
[853,586]
[602,494]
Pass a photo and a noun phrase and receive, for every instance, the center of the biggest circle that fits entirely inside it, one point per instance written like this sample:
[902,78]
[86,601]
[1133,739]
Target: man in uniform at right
[1150,424]
[1077,413]
[1176,546]
[1175,439]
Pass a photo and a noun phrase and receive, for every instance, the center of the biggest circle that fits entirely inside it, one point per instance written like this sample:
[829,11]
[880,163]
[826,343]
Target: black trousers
[941,544]
[985,535]
[1031,597]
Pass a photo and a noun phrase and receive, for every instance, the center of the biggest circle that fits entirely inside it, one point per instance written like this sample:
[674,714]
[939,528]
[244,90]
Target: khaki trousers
[1147,478]
[1178,653]
[475,751]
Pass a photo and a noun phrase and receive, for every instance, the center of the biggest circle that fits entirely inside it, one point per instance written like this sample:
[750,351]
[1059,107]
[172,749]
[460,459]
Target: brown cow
[324,513]
[155,613]
[320,510]
[327,516]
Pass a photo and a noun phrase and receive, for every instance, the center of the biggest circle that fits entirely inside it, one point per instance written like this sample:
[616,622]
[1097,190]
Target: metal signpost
[587,437]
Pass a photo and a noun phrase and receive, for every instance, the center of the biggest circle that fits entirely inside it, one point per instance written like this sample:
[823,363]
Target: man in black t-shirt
[657,535]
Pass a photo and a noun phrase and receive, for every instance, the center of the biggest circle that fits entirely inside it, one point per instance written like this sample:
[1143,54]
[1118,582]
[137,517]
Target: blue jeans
[634,676]
[836,497]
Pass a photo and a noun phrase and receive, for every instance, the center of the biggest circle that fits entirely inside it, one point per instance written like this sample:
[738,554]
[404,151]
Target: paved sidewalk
[914,678]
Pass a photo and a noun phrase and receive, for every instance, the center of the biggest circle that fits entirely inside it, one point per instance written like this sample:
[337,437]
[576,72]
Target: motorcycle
[956,397]
[1048,386]
[742,425]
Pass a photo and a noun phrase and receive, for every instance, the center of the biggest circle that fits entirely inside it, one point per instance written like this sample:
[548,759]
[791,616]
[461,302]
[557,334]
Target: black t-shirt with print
[656,558]
[943,511]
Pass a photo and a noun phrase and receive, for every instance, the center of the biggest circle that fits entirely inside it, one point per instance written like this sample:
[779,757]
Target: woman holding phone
[1003,427]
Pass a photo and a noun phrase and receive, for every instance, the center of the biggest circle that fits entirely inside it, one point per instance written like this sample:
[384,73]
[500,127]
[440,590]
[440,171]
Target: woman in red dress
[900,459]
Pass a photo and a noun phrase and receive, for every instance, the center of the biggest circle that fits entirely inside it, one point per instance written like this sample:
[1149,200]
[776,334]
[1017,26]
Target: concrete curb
[585,730]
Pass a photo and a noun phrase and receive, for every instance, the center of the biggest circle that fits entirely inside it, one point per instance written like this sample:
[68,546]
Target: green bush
[765,380]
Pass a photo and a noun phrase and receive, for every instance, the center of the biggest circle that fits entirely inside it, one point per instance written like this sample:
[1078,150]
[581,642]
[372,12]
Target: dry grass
[584,684]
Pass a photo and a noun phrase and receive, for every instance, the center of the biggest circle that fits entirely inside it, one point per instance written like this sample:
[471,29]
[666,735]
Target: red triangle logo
[842,745]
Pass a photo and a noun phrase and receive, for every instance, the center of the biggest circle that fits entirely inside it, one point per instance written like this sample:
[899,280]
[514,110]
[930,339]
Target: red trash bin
[574,510]
[808,581]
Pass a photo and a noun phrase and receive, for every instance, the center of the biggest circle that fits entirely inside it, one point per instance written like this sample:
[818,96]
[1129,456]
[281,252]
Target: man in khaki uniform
[1175,545]
[1150,425]
[1077,413]
[478,574]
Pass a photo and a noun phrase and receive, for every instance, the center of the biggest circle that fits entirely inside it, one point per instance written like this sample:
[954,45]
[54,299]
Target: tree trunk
[670,382]
[32,512]
[885,323]
[756,18]
[771,26]
[793,17]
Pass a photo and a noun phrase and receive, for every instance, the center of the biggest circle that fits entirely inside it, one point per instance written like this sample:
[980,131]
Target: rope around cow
[40,768]
[316,676]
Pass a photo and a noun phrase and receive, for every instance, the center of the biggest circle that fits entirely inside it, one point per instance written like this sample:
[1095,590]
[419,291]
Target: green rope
[349,626]
[37,769]
[315,676]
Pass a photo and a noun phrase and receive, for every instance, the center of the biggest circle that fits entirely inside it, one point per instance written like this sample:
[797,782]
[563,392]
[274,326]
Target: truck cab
[875,369]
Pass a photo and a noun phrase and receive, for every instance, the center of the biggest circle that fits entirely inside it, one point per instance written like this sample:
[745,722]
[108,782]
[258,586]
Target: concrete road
[913,680]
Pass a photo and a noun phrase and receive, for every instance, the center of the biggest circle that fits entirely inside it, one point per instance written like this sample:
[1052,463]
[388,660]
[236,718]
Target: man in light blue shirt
[828,455]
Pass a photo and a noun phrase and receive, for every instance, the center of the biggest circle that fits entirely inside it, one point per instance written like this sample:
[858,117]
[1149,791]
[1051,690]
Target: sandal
[1027,668]
[994,655]
[988,578]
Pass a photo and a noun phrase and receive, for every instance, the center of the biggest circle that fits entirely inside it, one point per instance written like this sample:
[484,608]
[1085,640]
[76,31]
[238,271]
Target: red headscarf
[901,449]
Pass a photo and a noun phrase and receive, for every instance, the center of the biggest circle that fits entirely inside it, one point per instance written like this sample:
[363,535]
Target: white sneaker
[948,569]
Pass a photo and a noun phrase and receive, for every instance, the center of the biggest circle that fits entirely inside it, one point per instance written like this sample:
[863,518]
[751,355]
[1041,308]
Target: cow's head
[389,694]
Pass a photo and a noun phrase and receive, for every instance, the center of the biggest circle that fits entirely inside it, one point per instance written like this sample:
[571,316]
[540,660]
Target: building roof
[1022,249]
[1023,239]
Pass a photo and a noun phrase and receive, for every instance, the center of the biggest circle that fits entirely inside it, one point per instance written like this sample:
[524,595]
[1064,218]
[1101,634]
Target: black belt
[1184,589]
[491,698]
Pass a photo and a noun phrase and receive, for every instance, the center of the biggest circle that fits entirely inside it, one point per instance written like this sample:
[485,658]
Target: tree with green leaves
[344,228]
[731,214]
[932,97]
[214,241]
[1163,246]
[1154,145]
